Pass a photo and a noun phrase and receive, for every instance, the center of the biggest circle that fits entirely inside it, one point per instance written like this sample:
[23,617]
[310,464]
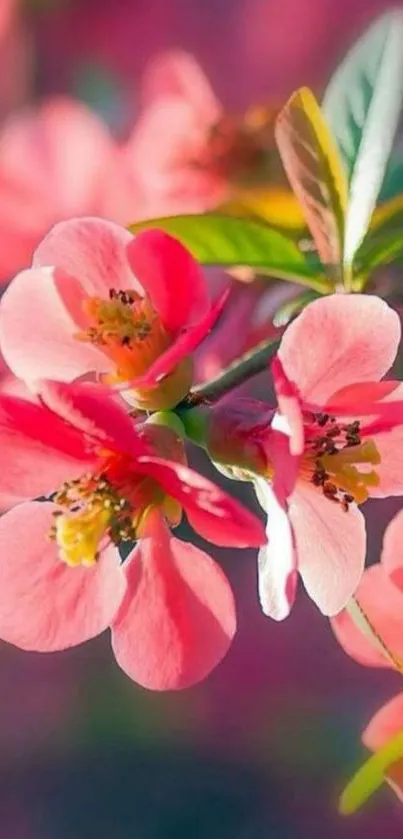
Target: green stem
[244,368]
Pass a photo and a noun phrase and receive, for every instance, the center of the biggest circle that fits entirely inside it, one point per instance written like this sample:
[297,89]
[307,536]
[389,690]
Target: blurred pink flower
[386,724]
[169,606]
[56,161]
[131,309]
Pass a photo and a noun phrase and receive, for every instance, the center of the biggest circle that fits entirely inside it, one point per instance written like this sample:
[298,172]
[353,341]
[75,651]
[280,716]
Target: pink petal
[38,451]
[337,341]
[177,73]
[171,278]
[181,347]
[44,604]
[330,545]
[211,512]
[392,550]
[390,470]
[289,404]
[382,603]
[361,397]
[178,618]
[277,577]
[385,724]
[38,333]
[93,251]
[95,411]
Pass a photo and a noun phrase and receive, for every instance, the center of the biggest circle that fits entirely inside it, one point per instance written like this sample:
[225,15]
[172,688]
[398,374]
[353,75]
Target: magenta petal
[330,547]
[211,512]
[184,345]
[382,603]
[44,604]
[277,577]
[38,451]
[178,618]
[37,332]
[171,278]
[337,341]
[92,250]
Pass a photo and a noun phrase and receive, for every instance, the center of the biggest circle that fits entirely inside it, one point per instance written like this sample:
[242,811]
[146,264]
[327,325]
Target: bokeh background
[264,746]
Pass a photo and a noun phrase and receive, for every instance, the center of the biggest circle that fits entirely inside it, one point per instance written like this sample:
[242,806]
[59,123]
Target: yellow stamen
[78,535]
[341,468]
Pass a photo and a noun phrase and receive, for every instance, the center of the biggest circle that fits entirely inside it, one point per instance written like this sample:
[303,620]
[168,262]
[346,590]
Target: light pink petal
[37,332]
[277,576]
[382,604]
[92,250]
[44,604]
[95,411]
[177,73]
[289,405]
[171,278]
[390,470]
[211,512]
[330,546]
[181,347]
[178,618]
[392,550]
[385,724]
[38,451]
[337,341]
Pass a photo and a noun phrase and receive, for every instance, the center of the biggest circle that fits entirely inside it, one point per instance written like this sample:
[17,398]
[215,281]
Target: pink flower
[335,440]
[56,162]
[100,301]
[385,725]
[169,606]
[185,151]
[379,598]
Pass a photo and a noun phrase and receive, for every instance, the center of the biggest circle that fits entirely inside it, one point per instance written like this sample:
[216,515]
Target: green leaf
[383,243]
[393,181]
[315,172]
[293,307]
[226,241]
[371,776]
[362,106]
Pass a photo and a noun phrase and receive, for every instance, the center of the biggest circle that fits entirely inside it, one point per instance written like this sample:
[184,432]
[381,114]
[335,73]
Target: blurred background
[265,745]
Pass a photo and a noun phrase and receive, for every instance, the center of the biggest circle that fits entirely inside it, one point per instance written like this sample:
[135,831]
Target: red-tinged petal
[392,550]
[178,618]
[177,73]
[183,346]
[385,724]
[37,332]
[361,398]
[337,341]
[382,604]
[92,250]
[95,411]
[330,546]
[38,451]
[277,575]
[289,404]
[44,604]
[211,512]
[171,278]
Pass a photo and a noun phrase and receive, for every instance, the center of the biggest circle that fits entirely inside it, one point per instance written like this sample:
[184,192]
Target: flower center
[111,505]
[342,461]
[127,329]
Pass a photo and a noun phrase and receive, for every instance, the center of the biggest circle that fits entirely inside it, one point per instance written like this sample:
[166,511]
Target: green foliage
[228,241]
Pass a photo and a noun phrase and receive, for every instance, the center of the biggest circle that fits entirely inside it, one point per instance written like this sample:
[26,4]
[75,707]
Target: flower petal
[385,724]
[337,341]
[392,551]
[277,577]
[177,73]
[44,604]
[38,451]
[289,404]
[93,251]
[171,278]
[330,546]
[178,618]
[382,604]
[211,512]
[389,445]
[181,347]
[37,332]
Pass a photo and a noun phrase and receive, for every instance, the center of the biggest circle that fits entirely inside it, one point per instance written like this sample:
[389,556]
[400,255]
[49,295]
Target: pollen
[343,463]
[127,329]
